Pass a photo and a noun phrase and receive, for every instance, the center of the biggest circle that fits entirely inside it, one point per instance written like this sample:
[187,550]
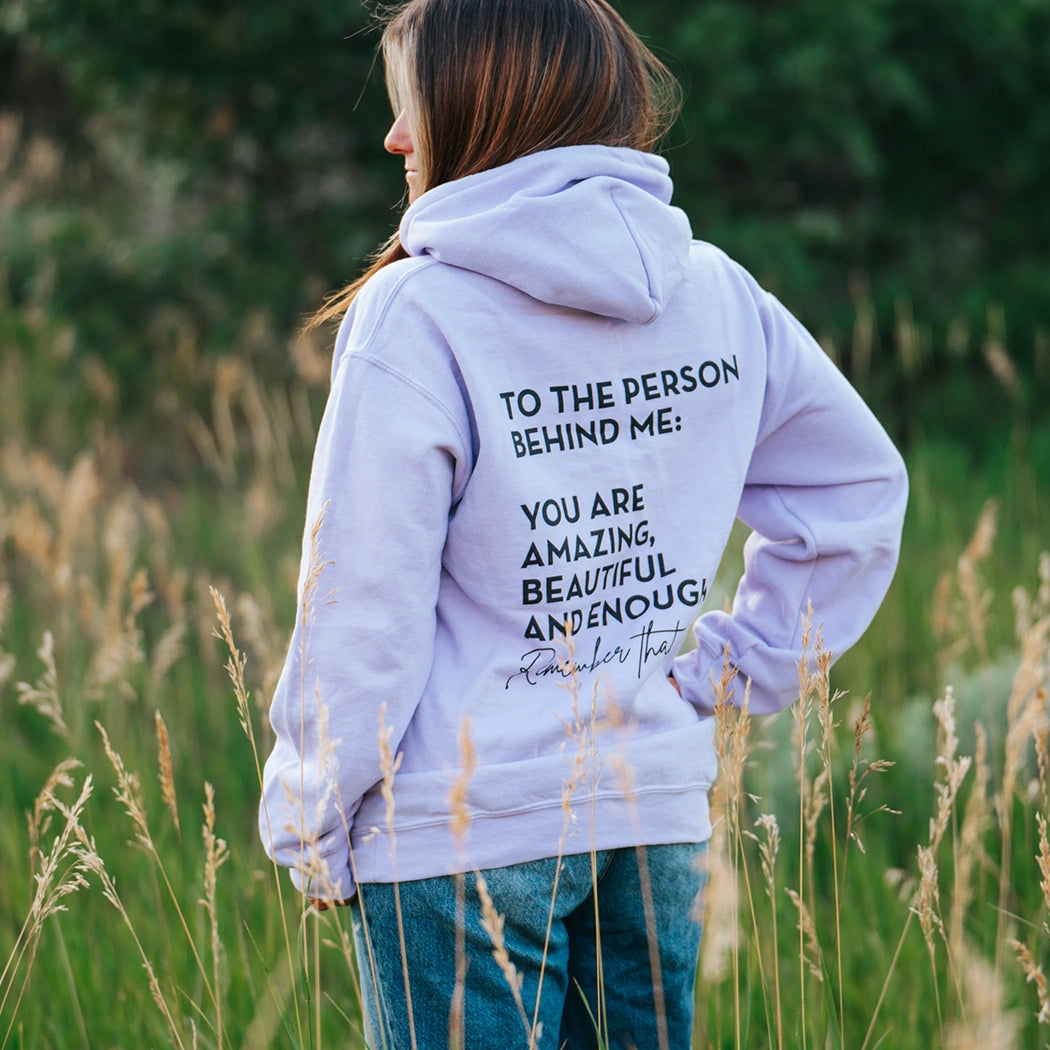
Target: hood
[587,227]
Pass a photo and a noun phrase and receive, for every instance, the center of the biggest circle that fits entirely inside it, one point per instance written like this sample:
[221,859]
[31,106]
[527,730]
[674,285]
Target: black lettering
[531,398]
[553,439]
[644,426]
[669,591]
[533,630]
[692,593]
[582,400]
[706,377]
[558,551]
[533,557]
[588,432]
[599,549]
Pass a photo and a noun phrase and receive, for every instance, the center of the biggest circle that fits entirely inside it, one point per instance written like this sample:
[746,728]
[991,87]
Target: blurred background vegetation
[176,171]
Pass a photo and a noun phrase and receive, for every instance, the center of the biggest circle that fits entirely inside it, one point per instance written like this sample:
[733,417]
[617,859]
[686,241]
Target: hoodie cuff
[319,883]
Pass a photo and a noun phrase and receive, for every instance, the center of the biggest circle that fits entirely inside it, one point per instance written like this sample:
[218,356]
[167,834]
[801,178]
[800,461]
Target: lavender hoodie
[549,417]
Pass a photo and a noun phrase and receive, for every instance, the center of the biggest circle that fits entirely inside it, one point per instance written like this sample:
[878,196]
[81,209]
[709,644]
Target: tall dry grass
[966,887]
[869,885]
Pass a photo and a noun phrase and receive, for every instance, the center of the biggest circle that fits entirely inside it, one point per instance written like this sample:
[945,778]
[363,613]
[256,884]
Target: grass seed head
[43,694]
[166,772]
[457,795]
[812,956]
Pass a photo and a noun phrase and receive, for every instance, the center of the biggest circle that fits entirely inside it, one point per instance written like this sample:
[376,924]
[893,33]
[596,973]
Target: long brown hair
[487,81]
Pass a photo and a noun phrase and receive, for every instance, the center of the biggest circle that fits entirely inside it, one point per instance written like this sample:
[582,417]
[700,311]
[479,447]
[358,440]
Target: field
[880,873]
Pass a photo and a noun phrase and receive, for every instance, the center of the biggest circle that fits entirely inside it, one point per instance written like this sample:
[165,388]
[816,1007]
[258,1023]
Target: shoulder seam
[389,295]
[412,384]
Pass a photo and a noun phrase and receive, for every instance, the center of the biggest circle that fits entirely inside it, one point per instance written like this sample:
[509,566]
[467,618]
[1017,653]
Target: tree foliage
[882,157]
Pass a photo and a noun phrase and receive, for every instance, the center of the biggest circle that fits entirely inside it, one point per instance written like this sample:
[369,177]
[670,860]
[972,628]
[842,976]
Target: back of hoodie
[541,429]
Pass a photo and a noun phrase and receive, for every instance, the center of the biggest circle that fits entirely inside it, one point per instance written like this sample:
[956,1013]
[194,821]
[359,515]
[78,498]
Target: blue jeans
[623,957]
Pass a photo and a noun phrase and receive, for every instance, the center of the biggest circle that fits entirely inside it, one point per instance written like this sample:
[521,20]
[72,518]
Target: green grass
[118,571]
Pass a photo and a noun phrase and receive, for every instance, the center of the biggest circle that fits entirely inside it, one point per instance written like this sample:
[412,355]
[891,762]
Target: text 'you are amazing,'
[608,566]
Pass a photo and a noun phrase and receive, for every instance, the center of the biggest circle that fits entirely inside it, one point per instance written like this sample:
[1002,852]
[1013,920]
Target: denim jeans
[622,953]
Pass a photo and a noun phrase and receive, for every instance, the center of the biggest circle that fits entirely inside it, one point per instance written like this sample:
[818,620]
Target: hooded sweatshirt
[541,429]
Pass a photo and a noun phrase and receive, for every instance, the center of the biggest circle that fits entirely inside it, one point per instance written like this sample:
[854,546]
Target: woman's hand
[323,905]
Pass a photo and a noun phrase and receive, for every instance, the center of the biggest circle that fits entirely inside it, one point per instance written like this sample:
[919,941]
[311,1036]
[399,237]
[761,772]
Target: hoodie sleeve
[824,494]
[390,459]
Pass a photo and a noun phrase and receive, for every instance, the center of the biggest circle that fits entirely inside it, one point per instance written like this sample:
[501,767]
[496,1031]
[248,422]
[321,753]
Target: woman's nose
[399,137]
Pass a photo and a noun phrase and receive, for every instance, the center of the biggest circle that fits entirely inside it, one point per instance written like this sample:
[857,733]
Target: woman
[549,405]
